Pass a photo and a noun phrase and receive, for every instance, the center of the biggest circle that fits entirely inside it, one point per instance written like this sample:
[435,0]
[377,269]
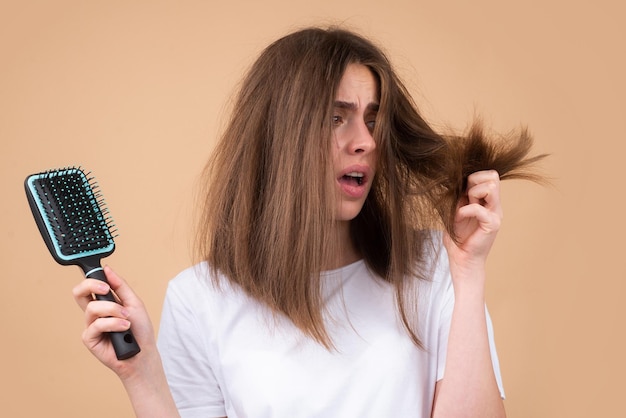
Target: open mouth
[354,178]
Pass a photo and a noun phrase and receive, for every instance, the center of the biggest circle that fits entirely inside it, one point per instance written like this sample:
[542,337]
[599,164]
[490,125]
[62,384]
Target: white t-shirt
[225,354]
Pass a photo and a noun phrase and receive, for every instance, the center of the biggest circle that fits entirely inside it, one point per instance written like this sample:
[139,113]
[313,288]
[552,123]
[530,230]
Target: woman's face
[354,150]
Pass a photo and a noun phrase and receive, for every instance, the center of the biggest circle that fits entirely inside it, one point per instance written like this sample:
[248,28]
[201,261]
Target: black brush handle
[124,342]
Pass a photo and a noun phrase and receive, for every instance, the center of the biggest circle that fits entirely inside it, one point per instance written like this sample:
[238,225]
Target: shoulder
[435,266]
[196,289]
[434,286]
[191,279]
[191,275]
[194,285]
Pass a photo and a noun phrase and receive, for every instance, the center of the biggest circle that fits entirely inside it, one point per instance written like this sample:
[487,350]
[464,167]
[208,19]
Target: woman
[321,291]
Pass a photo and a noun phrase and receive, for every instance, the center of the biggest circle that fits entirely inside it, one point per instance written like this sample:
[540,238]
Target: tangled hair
[268,204]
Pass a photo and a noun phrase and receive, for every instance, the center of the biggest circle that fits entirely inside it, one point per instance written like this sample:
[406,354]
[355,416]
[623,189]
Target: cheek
[374,161]
[335,154]
[341,134]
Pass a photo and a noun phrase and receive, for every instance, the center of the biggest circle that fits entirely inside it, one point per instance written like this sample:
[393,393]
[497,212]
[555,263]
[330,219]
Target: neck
[348,253]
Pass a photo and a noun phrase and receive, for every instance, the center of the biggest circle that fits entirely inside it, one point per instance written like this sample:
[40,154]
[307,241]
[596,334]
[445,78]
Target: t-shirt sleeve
[447,306]
[182,345]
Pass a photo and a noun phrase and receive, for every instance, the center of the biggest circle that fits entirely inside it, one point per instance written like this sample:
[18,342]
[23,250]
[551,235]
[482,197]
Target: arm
[141,375]
[469,388]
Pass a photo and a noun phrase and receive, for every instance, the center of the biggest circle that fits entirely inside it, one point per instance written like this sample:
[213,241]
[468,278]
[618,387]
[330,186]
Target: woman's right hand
[104,316]
[142,375]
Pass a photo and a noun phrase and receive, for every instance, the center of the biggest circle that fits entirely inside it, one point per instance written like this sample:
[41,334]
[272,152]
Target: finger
[83,291]
[103,309]
[483,187]
[486,194]
[121,288]
[487,220]
[93,334]
[481,177]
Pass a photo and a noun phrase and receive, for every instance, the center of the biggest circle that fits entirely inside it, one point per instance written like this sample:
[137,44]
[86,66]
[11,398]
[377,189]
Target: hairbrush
[75,224]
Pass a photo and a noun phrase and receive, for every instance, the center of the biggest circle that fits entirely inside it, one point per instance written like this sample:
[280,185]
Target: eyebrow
[352,106]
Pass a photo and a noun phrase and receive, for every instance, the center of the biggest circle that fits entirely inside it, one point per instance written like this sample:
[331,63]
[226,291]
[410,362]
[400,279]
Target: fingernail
[125,313]
[103,287]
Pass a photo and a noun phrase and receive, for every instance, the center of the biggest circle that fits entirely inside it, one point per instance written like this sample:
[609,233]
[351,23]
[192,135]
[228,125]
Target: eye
[370,117]
[337,120]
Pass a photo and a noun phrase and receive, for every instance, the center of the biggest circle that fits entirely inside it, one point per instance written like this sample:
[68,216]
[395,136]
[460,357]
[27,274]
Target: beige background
[136,92]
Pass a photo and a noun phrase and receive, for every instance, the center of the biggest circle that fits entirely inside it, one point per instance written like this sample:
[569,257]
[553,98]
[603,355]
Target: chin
[349,211]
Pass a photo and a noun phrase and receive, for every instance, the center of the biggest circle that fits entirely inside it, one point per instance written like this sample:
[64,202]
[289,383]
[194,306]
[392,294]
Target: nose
[361,140]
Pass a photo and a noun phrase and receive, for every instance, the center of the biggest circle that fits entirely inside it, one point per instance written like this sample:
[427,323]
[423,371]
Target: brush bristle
[74,211]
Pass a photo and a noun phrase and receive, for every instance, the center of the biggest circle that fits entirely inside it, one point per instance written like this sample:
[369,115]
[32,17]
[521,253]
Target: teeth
[355,174]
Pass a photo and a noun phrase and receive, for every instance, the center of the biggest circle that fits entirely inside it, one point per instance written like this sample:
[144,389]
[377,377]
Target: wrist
[148,389]
[141,368]
[469,279]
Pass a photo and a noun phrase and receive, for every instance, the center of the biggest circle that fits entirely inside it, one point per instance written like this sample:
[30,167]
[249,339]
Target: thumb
[119,286]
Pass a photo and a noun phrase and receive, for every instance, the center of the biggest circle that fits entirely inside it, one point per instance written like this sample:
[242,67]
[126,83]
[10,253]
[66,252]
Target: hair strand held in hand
[508,154]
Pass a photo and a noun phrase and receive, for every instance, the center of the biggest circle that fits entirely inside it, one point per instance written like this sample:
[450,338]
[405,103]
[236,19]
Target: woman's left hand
[469,384]
[477,221]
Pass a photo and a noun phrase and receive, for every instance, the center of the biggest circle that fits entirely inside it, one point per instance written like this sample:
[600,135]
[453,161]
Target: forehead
[358,85]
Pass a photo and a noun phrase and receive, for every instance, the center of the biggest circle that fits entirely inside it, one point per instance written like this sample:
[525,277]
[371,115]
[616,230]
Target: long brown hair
[268,201]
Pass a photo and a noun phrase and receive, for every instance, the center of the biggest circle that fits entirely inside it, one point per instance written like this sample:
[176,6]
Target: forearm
[148,390]
[469,388]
